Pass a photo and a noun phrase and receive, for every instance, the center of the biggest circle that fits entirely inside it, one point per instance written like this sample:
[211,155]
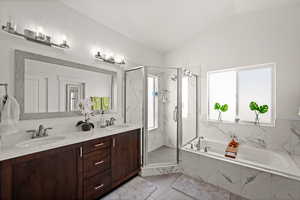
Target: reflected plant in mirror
[258,110]
[220,108]
[85,109]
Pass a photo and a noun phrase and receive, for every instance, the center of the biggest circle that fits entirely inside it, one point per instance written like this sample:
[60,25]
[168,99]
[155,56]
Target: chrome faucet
[111,121]
[206,147]
[199,145]
[202,144]
[40,132]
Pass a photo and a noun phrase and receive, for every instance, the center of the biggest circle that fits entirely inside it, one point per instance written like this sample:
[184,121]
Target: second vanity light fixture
[110,58]
[34,36]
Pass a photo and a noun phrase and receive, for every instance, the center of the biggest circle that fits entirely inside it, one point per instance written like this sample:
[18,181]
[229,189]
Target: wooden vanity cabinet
[49,175]
[85,171]
[125,156]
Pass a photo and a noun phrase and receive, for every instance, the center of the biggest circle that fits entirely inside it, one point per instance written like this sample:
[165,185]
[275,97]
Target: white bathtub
[278,163]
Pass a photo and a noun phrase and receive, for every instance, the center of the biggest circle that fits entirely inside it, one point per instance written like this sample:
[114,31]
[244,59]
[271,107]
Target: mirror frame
[21,56]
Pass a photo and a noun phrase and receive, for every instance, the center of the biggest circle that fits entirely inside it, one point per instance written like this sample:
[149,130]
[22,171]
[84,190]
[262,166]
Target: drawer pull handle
[80,152]
[99,163]
[99,187]
[99,145]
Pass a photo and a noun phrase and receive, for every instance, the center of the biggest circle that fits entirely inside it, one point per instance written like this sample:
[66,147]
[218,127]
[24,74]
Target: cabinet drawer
[96,162]
[96,186]
[96,144]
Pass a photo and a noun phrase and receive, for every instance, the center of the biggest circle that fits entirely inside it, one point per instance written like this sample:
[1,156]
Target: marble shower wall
[240,180]
[156,137]
[170,134]
[189,122]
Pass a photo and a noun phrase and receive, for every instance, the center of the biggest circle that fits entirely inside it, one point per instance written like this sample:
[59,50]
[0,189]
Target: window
[237,88]
[152,102]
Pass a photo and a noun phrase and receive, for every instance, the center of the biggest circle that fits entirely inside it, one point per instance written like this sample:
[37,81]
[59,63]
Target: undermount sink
[117,127]
[40,141]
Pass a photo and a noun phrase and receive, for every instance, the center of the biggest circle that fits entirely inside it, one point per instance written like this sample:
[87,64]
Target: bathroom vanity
[87,169]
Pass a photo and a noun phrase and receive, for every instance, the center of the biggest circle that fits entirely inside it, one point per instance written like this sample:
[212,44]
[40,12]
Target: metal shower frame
[145,160]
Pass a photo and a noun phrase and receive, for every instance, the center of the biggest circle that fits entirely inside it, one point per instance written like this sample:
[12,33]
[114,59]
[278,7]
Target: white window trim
[273,66]
[155,101]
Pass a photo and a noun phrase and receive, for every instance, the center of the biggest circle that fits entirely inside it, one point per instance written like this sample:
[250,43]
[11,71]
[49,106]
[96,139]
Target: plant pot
[86,127]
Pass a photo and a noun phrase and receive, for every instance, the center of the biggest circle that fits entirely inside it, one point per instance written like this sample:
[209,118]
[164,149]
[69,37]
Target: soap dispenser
[102,122]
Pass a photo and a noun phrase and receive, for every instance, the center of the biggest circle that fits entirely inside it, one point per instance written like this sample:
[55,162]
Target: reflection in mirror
[74,95]
[56,88]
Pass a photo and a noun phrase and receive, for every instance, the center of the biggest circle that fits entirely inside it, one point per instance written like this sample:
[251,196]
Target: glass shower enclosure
[154,100]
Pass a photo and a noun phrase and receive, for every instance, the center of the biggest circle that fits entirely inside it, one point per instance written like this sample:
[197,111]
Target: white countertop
[14,151]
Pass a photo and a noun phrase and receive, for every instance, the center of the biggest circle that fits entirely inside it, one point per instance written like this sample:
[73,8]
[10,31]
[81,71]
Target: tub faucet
[206,148]
[199,145]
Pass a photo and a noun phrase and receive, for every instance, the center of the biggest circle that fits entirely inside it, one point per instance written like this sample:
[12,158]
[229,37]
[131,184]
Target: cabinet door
[52,175]
[125,156]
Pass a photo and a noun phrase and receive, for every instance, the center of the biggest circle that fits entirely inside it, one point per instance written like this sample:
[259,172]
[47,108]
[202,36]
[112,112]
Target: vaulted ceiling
[166,24]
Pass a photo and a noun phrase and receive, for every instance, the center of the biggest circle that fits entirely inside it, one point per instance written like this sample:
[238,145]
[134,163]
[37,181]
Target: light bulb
[119,59]
[40,30]
[108,55]
[64,38]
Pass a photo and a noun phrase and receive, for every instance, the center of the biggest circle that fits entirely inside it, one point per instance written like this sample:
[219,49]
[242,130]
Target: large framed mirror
[48,87]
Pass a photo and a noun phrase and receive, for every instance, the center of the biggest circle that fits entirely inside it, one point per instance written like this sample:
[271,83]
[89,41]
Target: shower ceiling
[166,24]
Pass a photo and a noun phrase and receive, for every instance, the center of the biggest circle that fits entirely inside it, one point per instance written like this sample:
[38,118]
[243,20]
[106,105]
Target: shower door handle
[175,114]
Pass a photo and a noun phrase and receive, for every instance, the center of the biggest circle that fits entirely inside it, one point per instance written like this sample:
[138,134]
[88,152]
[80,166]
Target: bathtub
[279,163]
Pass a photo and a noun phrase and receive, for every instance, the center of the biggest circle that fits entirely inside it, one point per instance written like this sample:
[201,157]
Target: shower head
[187,73]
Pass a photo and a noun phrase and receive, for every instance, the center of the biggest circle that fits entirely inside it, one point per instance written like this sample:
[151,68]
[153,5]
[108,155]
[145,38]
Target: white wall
[253,38]
[83,34]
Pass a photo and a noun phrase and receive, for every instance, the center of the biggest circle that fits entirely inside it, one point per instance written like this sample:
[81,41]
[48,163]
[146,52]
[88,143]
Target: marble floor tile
[166,188]
[136,189]
[163,183]
[173,195]
[199,190]
[163,154]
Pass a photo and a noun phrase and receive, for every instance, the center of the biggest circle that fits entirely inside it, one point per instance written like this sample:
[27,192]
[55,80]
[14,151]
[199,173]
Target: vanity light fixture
[187,72]
[34,36]
[110,58]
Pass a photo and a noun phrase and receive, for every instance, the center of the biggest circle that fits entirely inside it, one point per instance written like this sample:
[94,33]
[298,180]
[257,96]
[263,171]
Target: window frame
[244,68]
[155,102]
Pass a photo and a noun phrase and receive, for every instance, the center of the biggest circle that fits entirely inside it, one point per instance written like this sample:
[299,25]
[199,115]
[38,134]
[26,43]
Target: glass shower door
[134,101]
[153,100]
[162,115]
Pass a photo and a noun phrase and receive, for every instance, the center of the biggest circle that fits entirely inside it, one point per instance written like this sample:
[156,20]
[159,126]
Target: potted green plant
[85,109]
[258,110]
[220,108]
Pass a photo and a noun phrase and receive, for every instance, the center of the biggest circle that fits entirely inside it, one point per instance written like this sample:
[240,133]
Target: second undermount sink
[117,127]
[40,141]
